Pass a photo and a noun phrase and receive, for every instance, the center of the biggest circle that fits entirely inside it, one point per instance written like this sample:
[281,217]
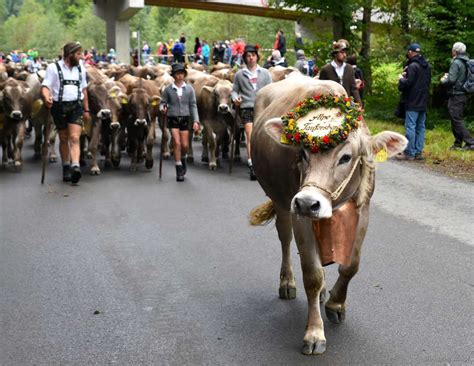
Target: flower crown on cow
[321,122]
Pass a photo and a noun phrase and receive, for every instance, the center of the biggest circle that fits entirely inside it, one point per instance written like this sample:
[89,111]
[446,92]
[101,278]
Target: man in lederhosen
[64,91]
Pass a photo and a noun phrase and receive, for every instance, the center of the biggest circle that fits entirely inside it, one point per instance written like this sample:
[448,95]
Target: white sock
[249,162]
[178,163]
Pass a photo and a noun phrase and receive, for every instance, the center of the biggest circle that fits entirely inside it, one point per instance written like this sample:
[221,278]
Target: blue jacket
[415,86]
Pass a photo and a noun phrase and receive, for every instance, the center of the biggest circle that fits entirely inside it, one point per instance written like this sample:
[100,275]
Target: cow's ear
[154,101]
[208,89]
[274,128]
[392,142]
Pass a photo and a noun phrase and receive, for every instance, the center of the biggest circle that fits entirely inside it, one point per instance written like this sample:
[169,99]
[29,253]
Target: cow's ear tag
[112,94]
[381,156]
[124,101]
[154,103]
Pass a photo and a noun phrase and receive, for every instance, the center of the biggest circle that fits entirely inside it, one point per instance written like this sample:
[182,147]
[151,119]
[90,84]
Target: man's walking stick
[232,142]
[44,151]
[165,119]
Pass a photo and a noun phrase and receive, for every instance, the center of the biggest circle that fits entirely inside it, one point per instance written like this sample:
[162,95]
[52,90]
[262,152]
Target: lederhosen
[63,112]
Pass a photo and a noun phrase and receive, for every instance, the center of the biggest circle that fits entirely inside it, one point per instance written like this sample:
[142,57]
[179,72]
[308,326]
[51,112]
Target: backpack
[310,68]
[469,83]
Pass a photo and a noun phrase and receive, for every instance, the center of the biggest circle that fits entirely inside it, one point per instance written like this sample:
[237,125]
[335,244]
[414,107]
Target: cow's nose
[16,115]
[114,125]
[311,204]
[105,113]
[223,108]
[140,121]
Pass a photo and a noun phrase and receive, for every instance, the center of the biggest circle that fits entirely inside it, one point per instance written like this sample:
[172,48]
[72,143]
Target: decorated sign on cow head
[321,122]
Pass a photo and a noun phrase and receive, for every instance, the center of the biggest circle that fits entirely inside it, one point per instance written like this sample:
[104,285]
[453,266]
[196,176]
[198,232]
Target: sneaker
[468,148]
[419,156]
[75,174]
[455,147]
[179,173]
[66,173]
[252,173]
[403,156]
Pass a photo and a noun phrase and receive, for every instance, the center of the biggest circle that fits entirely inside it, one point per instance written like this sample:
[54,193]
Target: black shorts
[182,123]
[247,115]
[66,113]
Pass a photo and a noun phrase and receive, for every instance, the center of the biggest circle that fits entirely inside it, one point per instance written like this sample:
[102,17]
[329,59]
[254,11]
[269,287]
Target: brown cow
[302,187]
[141,124]
[217,116]
[105,104]
[17,104]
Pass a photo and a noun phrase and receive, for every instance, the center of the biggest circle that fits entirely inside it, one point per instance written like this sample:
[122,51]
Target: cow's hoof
[18,166]
[82,162]
[334,316]
[205,159]
[107,163]
[95,171]
[317,348]
[237,159]
[133,169]
[53,159]
[212,166]
[116,163]
[323,296]
[37,156]
[89,155]
[149,164]
[287,293]
[166,156]
[190,159]
[225,156]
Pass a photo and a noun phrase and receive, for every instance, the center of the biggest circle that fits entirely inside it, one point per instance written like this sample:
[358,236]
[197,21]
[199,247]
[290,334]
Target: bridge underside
[235,8]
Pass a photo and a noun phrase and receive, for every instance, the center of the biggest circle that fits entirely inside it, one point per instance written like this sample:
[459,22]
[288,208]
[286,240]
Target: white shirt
[339,69]
[51,81]
[179,89]
[253,76]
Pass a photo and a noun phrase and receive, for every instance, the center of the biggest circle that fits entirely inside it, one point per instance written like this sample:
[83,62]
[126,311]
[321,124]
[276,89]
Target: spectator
[34,66]
[414,83]
[178,52]
[197,48]
[298,42]
[182,40]
[337,70]
[146,51]
[240,48]
[358,74]
[275,60]
[280,43]
[454,80]
[205,52]
[302,63]
[112,56]
[227,52]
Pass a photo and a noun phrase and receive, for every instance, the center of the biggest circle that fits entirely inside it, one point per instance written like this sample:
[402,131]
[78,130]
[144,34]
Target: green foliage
[90,30]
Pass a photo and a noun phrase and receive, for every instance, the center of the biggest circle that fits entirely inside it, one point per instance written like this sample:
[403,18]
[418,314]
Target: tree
[90,30]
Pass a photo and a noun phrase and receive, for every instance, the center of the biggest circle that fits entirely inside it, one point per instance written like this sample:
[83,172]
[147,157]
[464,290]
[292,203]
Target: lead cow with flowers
[314,158]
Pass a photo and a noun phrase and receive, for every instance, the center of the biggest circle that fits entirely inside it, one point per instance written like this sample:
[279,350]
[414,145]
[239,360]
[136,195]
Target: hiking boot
[252,173]
[468,148]
[183,161]
[403,156]
[419,156]
[66,173]
[179,173]
[75,174]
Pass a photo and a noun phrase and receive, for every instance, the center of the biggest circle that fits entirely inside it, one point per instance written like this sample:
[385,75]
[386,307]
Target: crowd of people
[414,84]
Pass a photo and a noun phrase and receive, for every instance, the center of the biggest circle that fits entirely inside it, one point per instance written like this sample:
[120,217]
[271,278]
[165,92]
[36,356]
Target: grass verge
[457,164]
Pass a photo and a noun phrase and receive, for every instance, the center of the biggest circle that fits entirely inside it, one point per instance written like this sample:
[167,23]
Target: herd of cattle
[124,107]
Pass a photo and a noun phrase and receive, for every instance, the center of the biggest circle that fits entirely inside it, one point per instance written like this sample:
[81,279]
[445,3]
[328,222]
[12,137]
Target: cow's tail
[263,214]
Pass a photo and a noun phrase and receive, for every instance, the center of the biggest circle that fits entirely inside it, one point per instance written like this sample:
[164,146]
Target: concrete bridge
[116,14]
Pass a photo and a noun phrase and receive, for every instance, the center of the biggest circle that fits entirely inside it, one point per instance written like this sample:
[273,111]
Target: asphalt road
[129,270]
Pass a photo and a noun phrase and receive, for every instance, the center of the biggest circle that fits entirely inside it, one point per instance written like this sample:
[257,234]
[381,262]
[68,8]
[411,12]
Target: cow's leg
[314,341]
[115,137]
[212,149]
[19,139]
[150,140]
[38,127]
[335,307]
[165,139]
[205,146]
[94,145]
[4,151]
[287,288]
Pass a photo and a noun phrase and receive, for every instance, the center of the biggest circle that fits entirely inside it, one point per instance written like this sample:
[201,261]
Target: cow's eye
[345,159]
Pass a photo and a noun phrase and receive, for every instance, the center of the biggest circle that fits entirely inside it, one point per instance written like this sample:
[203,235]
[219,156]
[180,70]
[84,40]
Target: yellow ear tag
[284,139]
[154,103]
[381,156]
[124,101]
[113,94]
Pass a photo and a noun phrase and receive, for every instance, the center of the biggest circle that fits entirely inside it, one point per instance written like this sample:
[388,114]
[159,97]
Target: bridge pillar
[116,14]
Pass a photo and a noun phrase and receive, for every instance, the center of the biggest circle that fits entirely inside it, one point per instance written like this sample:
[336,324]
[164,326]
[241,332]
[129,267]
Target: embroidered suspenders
[63,82]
